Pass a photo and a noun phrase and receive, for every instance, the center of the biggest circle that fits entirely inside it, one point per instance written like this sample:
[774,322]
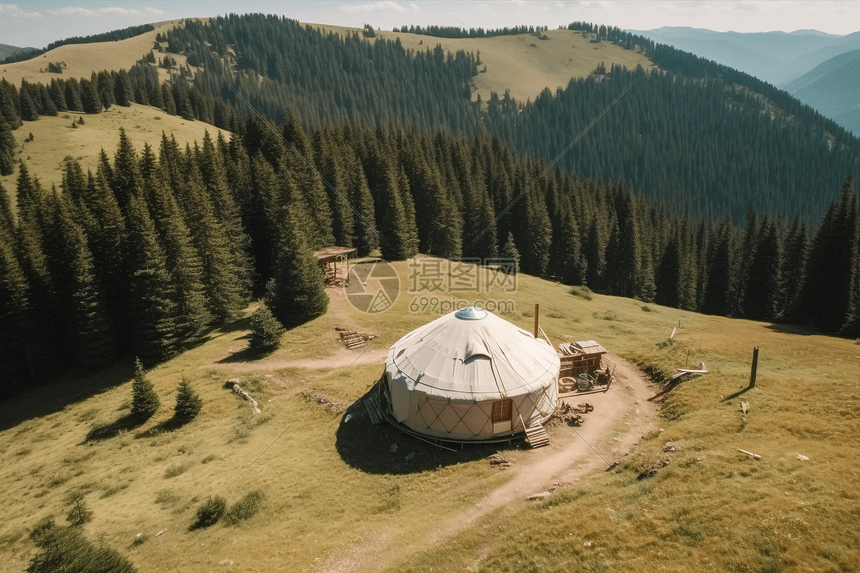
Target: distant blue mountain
[775,57]
[833,88]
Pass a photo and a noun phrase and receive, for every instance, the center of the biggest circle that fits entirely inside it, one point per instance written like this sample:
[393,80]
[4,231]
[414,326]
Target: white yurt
[470,375]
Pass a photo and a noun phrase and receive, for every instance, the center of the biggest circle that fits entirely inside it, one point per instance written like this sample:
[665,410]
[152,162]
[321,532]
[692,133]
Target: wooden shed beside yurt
[470,376]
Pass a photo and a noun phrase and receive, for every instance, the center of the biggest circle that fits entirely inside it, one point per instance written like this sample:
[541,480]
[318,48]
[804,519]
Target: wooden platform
[536,436]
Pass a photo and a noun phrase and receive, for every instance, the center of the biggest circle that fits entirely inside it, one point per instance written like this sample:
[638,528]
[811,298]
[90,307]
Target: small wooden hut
[579,358]
[330,259]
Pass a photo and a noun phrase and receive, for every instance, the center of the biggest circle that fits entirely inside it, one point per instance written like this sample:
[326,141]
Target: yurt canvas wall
[471,375]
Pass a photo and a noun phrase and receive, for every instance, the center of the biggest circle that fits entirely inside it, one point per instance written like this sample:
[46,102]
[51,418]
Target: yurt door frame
[502,416]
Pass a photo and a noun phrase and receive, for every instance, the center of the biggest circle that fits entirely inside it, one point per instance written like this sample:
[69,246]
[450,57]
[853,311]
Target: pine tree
[188,403]
[42,340]
[511,254]
[90,97]
[144,400]
[793,270]
[14,304]
[719,296]
[225,280]
[7,148]
[398,239]
[300,164]
[439,229]
[28,108]
[89,330]
[122,89]
[266,331]
[182,261]
[152,312]
[831,263]
[764,283]
[73,95]
[669,274]
[624,250]
[296,292]
[126,180]
[226,211]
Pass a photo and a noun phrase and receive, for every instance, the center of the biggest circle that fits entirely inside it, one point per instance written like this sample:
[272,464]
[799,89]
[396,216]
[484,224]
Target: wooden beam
[537,319]
[754,367]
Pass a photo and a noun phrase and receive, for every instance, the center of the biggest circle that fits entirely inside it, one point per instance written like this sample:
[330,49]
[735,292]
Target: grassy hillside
[372,507]
[83,59]
[521,63]
[54,138]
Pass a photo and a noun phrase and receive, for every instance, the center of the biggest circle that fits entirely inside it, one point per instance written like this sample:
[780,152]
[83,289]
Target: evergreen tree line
[113,36]
[707,144]
[457,32]
[147,254]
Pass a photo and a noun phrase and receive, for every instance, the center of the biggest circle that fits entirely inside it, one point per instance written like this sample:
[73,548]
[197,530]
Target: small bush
[646,308]
[608,315]
[245,508]
[581,292]
[166,497]
[174,471]
[78,514]
[210,512]
[188,403]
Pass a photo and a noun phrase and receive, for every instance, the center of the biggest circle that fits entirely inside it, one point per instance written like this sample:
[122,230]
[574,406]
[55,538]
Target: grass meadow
[341,494]
[55,140]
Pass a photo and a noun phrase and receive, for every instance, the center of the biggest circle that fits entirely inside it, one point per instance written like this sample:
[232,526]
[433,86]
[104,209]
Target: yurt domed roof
[472,354]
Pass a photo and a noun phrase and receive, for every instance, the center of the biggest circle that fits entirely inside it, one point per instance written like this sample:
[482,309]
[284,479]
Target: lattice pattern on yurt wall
[475,418]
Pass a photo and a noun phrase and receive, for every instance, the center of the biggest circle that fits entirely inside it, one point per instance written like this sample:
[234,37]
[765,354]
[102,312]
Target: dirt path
[620,417]
[341,358]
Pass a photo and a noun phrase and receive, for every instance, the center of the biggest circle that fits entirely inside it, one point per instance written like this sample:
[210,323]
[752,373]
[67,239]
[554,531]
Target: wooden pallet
[536,436]
[352,339]
[374,409]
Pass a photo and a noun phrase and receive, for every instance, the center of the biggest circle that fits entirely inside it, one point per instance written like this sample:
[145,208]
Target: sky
[35,24]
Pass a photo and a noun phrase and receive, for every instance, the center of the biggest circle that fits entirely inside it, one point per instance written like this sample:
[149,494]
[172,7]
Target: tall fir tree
[296,292]
[152,331]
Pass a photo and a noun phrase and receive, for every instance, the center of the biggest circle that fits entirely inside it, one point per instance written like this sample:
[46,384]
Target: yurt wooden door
[503,412]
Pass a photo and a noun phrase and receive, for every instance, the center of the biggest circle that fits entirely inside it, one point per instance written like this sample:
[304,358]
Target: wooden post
[537,320]
[754,366]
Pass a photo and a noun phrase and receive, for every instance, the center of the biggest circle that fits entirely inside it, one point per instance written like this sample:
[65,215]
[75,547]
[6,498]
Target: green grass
[332,491]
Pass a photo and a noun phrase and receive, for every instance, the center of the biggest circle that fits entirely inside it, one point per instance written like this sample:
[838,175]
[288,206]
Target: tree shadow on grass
[244,355]
[169,425]
[43,399]
[236,325]
[371,448]
[107,431]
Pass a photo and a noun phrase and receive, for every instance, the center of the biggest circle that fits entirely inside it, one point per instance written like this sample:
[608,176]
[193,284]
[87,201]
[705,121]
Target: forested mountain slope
[704,144]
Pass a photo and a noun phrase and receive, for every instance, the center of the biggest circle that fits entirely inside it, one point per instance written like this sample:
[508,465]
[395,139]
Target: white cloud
[415,7]
[372,6]
[73,10]
[153,10]
[119,10]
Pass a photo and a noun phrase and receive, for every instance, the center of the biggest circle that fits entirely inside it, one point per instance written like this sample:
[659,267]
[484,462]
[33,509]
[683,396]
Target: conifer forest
[700,188]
